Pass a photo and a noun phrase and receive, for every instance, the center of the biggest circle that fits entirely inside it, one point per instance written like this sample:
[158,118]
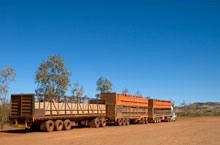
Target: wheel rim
[103,123]
[49,125]
[119,122]
[67,124]
[97,124]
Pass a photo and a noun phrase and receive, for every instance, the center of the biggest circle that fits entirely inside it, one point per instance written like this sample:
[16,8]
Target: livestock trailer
[159,110]
[122,109]
[38,112]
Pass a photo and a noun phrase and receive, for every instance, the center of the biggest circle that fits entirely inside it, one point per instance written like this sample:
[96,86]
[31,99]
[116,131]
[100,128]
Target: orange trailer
[123,108]
[159,110]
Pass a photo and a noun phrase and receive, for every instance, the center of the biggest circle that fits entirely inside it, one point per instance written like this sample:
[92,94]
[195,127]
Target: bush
[4,114]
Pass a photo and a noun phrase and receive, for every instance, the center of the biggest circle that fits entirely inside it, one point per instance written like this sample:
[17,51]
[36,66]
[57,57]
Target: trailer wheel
[123,122]
[142,121]
[49,125]
[59,125]
[103,122]
[95,123]
[146,121]
[119,122]
[67,124]
[127,122]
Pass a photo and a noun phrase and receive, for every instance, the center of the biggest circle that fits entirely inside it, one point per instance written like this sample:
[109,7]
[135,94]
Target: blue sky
[165,49]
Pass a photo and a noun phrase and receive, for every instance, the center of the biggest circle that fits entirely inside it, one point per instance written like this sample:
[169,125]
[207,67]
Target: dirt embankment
[186,131]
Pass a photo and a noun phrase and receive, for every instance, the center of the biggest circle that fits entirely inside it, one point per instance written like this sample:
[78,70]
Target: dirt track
[188,131]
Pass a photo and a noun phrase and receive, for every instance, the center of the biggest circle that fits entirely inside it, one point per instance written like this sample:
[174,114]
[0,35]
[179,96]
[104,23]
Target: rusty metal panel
[110,98]
[159,108]
[27,105]
[22,105]
[125,106]
[110,111]
[15,106]
[156,103]
[121,99]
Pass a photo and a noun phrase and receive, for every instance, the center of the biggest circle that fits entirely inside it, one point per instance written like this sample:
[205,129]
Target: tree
[185,107]
[183,104]
[148,97]
[74,89]
[78,93]
[7,75]
[173,103]
[138,93]
[125,91]
[84,98]
[103,85]
[52,78]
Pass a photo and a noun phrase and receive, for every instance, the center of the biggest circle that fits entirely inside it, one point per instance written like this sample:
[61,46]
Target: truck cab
[173,114]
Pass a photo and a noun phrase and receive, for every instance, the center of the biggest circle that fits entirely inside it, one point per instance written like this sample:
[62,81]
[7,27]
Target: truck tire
[123,122]
[49,126]
[119,122]
[127,122]
[142,121]
[95,123]
[59,125]
[103,122]
[67,125]
[146,120]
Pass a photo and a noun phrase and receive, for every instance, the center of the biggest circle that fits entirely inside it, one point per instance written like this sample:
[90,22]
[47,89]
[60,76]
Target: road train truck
[40,112]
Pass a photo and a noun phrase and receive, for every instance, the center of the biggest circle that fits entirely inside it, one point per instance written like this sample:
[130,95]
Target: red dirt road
[188,131]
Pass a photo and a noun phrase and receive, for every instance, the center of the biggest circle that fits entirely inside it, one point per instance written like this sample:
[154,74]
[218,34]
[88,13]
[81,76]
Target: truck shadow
[19,131]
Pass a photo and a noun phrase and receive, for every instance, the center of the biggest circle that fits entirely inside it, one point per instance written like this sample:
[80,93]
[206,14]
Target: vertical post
[65,103]
[97,106]
[50,107]
[26,126]
[38,101]
[77,105]
[16,122]
[88,105]
[21,105]
[58,108]
[33,105]
[44,105]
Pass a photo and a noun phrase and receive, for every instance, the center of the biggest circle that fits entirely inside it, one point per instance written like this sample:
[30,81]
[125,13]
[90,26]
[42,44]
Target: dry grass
[199,109]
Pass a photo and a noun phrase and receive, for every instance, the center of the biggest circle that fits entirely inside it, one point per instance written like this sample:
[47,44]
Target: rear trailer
[38,113]
[121,109]
[159,110]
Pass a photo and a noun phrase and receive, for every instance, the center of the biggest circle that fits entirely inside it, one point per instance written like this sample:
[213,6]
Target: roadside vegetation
[103,86]
[7,76]
[198,109]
